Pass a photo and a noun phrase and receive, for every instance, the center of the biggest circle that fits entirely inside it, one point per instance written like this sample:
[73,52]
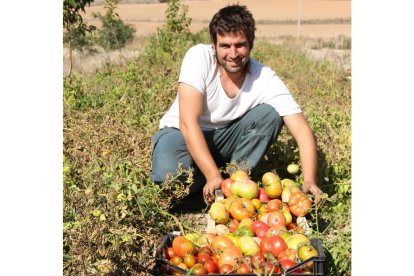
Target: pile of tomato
[257,231]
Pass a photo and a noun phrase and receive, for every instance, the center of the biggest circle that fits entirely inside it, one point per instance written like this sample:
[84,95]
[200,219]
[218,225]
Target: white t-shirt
[261,85]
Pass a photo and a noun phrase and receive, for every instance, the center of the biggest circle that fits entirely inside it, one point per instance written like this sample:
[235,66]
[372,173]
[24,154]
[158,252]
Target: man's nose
[233,52]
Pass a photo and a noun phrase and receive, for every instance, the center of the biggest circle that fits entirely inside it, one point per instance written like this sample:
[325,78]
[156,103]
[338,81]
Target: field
[274,17]
[277,21]
[114,217]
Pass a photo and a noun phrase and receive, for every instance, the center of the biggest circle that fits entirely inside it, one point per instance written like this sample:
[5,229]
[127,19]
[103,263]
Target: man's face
[233,52]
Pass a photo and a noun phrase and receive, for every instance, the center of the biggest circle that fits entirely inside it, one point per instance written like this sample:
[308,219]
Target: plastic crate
[318,261]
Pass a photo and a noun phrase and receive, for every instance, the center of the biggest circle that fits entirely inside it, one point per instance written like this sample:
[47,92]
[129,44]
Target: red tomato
[288,254]
[286,264]
[299,204]
[205,249]
[226,185]
[225,269]
[202,258]
[169,253]
[261,231]
[278,245]
[274,205]
[256,224]
[242,208]
[243,269]
[276,218]
[211,266]
[230,256]
[182,246]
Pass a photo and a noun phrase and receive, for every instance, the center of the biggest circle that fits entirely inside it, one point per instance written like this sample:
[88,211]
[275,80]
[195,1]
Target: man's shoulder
[258,68]
[201,48]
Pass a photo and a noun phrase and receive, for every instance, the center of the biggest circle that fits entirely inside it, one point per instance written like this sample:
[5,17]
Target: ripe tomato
[189,260]
[226,185]
[286,264]
[276,218]
[225,269]
[272,185]
[261,231]
[273,244]
[299,204]
[230,256]
[256,224]
[205,249]
[202,258]
[288,254]
[169,253]
[306,251]
[275,230]
[176,260]
[258,259]
[220,243]
[239,175]
[211,266]
[274,205]
[243,269]
[199,269]
[182,246]
[242,208]
[180,265]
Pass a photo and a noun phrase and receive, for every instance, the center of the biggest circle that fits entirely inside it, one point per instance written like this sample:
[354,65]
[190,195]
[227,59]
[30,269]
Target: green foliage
[114,216]
[174,38]
[75,29]
[114,33]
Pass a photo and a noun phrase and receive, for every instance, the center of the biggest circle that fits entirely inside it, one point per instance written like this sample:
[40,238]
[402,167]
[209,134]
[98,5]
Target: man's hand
[314,189]
[212,184]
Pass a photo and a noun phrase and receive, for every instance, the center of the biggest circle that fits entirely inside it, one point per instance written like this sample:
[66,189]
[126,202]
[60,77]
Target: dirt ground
[269,14]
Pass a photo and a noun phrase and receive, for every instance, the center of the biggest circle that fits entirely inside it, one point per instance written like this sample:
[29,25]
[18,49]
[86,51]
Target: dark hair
[233,19]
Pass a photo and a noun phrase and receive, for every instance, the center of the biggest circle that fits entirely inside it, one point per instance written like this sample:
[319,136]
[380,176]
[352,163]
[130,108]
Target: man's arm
[191,106]
[300,130]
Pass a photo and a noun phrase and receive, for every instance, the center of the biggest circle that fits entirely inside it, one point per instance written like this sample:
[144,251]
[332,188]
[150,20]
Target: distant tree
[114,33]
[76,29]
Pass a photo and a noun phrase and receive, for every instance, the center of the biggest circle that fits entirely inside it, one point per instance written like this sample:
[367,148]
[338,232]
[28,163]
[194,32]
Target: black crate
[318,261]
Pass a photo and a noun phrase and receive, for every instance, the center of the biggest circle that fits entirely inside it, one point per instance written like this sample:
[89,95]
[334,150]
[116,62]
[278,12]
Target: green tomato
[244,231]
[293,168]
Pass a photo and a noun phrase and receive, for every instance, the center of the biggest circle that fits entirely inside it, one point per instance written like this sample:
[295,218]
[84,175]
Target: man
[229,107]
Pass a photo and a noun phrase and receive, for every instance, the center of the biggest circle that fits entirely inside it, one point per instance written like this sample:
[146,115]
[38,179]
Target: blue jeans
[245,140]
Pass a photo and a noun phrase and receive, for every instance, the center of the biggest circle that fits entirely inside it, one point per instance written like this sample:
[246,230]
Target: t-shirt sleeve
[195,67]
[280,98]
